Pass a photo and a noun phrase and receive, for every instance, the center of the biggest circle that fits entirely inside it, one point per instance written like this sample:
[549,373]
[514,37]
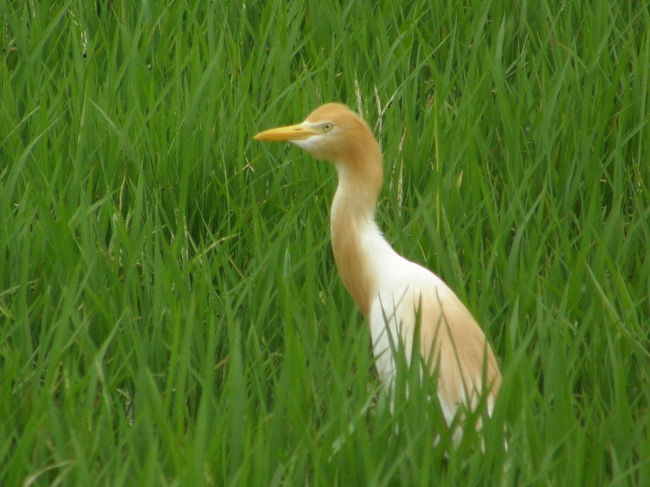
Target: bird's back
[451,341]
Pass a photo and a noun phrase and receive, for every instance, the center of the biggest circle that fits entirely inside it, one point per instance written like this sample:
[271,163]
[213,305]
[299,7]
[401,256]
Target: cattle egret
[397,296]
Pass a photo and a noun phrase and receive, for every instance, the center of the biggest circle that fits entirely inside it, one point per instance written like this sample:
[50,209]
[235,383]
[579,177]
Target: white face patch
[308,144]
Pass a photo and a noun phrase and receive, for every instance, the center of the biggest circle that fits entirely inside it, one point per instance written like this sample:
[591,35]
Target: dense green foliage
[169,309]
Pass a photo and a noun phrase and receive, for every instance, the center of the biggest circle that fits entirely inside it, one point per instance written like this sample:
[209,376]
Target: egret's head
[332,132]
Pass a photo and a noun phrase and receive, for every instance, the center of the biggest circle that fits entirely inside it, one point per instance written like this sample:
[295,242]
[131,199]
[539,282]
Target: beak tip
[263,136]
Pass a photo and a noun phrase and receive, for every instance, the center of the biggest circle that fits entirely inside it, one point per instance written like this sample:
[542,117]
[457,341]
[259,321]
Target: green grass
[170,313]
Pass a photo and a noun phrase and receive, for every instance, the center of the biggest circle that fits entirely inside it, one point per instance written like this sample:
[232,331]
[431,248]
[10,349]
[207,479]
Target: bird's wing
[451,341]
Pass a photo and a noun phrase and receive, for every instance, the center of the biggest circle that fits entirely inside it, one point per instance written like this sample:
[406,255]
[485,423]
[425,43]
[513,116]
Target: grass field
[170,313]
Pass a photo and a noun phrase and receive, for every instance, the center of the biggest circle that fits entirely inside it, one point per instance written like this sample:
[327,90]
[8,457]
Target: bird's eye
[327,127]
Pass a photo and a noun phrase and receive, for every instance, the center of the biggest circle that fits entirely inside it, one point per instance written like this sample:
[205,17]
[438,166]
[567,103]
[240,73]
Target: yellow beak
[290,132]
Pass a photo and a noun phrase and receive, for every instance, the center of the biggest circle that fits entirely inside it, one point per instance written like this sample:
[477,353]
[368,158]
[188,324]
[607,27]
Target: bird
[398,297]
